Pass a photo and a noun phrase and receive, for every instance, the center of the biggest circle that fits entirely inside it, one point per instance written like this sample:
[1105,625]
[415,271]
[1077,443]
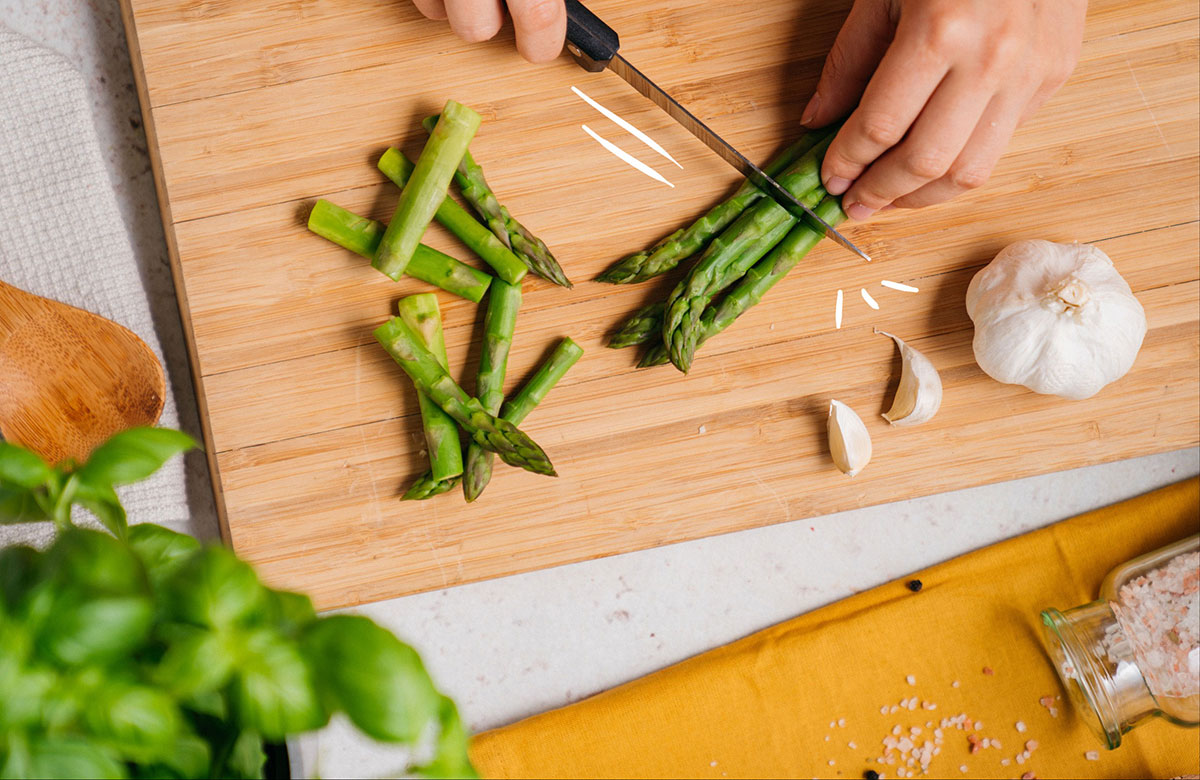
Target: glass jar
[1135,652]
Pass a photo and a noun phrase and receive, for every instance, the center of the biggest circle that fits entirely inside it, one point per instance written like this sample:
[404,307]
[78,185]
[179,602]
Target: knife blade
[594,46]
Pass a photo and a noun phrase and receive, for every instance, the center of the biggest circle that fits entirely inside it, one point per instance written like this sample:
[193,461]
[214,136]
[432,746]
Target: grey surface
[510,647]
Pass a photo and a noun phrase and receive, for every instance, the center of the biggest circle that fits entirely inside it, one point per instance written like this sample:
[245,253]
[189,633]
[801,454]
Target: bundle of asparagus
[415,339]
[749,243]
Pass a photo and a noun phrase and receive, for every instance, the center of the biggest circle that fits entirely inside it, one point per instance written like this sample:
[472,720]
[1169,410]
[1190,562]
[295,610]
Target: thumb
[860,45]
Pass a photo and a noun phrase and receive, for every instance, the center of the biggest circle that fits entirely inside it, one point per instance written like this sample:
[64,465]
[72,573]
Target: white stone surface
[511,647]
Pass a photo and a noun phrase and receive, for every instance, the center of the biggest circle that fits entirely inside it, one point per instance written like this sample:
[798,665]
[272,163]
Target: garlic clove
[849,442]
[919,395]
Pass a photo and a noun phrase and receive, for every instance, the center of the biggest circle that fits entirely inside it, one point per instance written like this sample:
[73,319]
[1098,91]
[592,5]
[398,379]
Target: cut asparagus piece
[459,221]
[727,258]
[499,324]
[517,408]
[361,235]
[421,314]
[765,274]
[644,325]
[684,243]
[490,432]
[425,486]
[426,188]
[527,246]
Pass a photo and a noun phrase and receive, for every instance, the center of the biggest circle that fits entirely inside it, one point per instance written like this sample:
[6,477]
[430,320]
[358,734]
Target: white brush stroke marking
[837,311]
[866,296]
[647,140]
[899,286]
[626,157]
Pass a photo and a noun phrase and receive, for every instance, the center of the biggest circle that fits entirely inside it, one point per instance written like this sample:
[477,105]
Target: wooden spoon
[69,379]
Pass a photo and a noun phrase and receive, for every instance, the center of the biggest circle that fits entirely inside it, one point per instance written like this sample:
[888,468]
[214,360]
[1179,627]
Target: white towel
[62,237]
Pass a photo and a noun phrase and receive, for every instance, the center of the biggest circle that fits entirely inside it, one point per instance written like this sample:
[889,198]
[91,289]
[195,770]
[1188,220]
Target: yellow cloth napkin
[774,703]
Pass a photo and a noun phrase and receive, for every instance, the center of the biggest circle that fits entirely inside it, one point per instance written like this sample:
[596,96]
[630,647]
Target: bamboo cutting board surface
[255,108]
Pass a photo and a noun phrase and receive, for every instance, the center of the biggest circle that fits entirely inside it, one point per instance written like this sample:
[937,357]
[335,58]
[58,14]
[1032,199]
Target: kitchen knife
[594,46]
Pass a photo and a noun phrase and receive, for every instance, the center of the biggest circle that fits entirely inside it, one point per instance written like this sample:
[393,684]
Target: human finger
[541,27]
[474,20]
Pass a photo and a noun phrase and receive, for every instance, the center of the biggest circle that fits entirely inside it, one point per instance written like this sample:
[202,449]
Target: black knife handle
[591,42]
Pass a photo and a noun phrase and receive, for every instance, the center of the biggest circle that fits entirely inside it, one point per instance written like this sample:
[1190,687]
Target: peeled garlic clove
[920,392]
[849,442]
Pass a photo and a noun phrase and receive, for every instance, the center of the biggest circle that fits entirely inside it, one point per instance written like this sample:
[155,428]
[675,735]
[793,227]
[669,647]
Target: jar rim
[1061,636]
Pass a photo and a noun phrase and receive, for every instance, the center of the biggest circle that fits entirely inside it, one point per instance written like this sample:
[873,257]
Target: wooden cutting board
[254,108]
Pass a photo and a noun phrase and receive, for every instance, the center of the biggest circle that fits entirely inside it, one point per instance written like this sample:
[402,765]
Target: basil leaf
[247,758]
[101,500]
[273,691]
[18,575]
[96,630]
[160,550]
[289,612]
[451,758]
[196,663]
[377,679]
[214,588]
[90,560]
[18,505]
[133,455]
[63,757]
[19,466]
[143,723]
[189,757]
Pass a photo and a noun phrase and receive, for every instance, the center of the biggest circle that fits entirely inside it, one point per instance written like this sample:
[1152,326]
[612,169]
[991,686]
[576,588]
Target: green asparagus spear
[421,314]
[426,189]
[499,324]
[727,258]
[644,325]
[491,433]
[527,246]
[682,244]
[361,235]
[759,279]
[425,486]
[546,377]
[459,221]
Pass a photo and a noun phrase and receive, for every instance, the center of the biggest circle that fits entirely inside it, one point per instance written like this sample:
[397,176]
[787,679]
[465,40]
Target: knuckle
[948,29]
[477,32]
[882,130]
[540,14]
[969,177]
[924,165]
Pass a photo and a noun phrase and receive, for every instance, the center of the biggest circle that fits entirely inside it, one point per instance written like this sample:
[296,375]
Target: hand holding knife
[595,45]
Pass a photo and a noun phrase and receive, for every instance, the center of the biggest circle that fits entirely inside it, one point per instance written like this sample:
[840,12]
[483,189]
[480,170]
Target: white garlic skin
[849,442]
[919,395]
[1056,318]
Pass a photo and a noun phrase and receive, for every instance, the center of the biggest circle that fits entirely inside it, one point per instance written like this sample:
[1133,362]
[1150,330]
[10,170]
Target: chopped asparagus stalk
[499,324]
[527,246]
[517,408]
[426,189]
[459,221]
[361,236]
[490,432]
[421,314]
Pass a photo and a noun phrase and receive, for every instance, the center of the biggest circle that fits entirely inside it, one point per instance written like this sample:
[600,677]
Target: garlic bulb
[919,395]
[1056,318]
[849,442]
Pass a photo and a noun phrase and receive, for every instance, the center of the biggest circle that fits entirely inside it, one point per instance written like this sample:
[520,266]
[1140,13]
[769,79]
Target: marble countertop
[511,647]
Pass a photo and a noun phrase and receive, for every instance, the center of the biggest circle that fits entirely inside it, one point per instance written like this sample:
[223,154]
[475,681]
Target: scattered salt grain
[995,743]
[1092,755]
[954,684]
[911,680]
[1021,726]
[852,745]
[702,429]
[1029,776]
[1031,745]
[771,326]
[832,762]
[899,286]
[987,743]
[1020,758]
[866,296]
[896,730]
[883,710]
[837,311]
[963,768]
[826,737]
[712,763]
[979,725]
[841,723]
[1005,762]
[832,723]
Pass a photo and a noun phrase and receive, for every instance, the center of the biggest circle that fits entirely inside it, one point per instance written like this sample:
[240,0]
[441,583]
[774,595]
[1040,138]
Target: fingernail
[858,212]
[810,111]
[837,185]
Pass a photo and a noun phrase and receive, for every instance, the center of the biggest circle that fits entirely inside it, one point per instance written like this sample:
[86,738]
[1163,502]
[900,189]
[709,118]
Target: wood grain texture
[257,107]
[71,378]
